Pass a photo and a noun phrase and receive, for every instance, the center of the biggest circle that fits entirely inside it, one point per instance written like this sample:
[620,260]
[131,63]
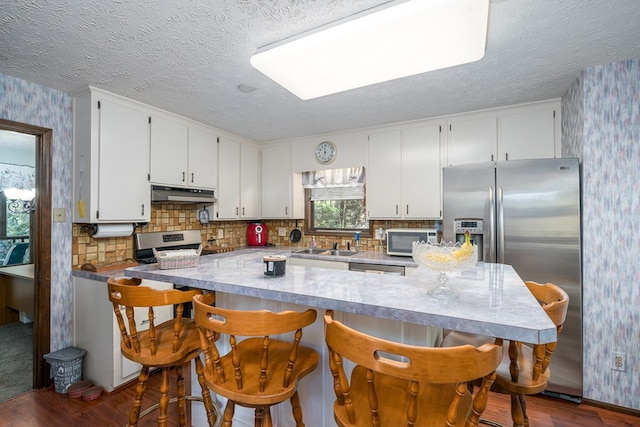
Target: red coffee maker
[257,234]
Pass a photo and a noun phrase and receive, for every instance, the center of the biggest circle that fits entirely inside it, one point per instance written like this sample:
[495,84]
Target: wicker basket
[175,260]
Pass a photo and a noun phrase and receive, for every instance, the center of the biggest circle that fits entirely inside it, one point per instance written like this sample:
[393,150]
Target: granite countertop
[493,299]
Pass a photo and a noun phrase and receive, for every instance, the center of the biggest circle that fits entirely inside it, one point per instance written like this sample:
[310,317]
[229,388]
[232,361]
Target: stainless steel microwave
[400,240]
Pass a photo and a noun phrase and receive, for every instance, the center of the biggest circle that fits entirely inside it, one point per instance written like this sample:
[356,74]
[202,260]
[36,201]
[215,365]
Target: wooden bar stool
[525,367]
[168,345]
[394,384]
[258,371]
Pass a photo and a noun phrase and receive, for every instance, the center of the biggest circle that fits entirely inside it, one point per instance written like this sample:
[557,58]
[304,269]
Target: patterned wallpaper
[601,123]
[27,102]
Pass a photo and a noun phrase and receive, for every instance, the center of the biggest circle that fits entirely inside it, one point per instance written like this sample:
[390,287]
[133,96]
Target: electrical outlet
[220,233]
[618,361]
[282,231]
[59,215]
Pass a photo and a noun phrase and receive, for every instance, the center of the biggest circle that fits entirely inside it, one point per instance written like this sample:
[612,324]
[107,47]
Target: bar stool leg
[296,409]
[182,419]
[263,417]
[164,399]
[228,413]
[516,411]
[137,401]
[212,414]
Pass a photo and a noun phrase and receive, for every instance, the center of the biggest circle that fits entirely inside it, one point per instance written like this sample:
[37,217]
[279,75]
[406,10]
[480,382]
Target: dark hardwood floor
[45,408]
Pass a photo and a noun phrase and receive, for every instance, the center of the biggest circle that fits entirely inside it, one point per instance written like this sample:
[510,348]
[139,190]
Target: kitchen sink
[328,252]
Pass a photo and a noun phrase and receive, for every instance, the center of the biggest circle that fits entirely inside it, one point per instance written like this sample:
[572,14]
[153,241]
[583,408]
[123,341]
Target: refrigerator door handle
[500,226]
[491,231]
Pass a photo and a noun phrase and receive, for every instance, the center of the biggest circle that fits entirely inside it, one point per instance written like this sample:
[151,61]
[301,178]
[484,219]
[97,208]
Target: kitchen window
[335,202]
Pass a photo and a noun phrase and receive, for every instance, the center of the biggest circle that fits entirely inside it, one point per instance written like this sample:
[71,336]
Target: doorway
[40,245]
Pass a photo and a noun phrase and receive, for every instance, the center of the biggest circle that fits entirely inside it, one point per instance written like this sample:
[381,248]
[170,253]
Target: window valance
[335,184]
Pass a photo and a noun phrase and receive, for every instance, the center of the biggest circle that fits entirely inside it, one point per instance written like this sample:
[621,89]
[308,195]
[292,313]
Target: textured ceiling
[188,57]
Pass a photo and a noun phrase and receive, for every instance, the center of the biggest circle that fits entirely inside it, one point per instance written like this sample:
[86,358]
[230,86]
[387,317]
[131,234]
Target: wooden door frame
[41,247]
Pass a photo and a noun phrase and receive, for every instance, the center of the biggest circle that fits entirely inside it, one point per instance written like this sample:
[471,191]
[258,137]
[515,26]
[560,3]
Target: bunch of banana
[466,250]
[438,257]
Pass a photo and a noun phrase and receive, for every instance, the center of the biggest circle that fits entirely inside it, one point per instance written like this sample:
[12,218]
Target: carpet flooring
[16,359]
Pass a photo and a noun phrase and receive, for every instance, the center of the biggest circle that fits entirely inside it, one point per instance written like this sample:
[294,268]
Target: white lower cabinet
[96,331]
[316,389]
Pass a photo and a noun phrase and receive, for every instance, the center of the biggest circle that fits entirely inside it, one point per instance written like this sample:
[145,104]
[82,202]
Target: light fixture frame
[381,55]
[20,201]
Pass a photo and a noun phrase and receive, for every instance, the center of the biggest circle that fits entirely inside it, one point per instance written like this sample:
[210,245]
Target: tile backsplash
[167,216]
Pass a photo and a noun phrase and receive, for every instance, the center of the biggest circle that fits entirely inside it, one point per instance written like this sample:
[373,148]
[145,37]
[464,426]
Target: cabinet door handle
[492,157]
[142,209]
[236,210]
[243,211]
[191,177]
[286,210]
[407,209]
[396,209]
[183,176]
[506,156]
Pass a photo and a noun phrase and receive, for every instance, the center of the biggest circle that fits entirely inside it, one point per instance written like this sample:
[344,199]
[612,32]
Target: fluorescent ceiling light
[399,40]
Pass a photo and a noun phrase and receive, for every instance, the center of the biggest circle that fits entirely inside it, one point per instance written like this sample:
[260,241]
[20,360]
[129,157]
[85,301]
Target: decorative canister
[274,265]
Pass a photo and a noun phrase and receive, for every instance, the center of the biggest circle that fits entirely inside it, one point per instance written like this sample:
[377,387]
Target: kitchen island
[493,301]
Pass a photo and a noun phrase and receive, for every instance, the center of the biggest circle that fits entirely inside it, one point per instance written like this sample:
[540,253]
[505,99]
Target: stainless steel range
[162,241]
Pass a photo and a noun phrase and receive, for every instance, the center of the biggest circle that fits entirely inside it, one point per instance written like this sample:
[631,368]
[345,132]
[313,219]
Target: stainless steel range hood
[161,193]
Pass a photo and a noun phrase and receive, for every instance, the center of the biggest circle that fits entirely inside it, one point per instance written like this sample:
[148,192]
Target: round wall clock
[326,152]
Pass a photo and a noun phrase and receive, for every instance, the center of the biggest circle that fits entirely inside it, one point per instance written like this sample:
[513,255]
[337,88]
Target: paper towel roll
[112,230]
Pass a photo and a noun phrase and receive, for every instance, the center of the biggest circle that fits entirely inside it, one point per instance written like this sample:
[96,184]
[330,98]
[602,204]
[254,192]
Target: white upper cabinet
[421,172]
[472,140]
[527,131]
[169,151]
[228,205]
[249,182]
[181,155]
[403,175]
[203,159]
[238,181]
[282,192]
[384,175]
[111,152]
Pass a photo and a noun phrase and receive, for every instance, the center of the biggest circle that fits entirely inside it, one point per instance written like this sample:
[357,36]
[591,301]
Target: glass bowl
[444,257]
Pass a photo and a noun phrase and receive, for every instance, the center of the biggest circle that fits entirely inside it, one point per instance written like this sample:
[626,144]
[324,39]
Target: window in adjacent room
[17,174]
[335,201]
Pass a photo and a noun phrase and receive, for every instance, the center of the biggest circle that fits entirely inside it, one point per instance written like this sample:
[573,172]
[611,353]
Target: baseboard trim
[611,407]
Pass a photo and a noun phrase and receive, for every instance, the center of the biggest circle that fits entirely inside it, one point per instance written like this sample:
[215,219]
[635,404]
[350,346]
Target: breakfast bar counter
[492,298]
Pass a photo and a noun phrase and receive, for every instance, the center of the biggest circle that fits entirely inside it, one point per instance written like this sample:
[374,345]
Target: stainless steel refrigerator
[526,213]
